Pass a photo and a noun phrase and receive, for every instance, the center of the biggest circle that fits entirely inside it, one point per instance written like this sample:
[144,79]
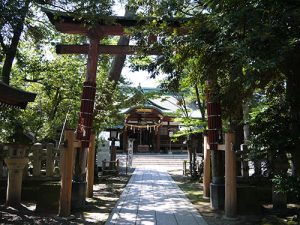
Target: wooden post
[158,140]
[1,161]
[230,177]
[61,158]
[50,160]
[117,166]
[66,175]
[90,167]
[206,169]
[37,148]
[125,140]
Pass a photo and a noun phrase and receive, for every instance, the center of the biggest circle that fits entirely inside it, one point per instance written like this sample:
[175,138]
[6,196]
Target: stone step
[156,160]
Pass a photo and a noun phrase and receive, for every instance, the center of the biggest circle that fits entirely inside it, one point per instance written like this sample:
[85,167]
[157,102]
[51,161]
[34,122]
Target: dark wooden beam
[108,25]
[71,28]
[101,30]
[105,49]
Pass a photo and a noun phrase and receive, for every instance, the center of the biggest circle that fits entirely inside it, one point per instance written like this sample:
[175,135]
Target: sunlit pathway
[152,197]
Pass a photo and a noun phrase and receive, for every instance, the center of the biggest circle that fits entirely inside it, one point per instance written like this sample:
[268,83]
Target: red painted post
[215,138]
[88,94]
[214,121]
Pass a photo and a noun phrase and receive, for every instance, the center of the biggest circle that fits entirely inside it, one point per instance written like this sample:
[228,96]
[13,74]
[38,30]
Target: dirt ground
[193,190]
[106,193]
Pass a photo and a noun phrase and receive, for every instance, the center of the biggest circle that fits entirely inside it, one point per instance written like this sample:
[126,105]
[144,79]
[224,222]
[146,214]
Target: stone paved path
[152,198]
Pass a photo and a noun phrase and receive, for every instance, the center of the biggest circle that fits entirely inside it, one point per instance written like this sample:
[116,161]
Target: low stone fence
[44,160]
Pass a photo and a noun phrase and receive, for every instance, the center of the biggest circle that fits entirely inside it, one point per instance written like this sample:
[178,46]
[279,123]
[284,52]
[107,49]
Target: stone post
[129,154]
[113,155]
[36,150]
[50,160]
[15,164]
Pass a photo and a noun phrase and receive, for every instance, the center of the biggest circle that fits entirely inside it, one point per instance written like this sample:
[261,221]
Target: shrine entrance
[143,140]
[143,125]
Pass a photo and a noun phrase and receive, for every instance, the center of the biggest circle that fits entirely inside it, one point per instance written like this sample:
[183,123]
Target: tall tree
[13,14]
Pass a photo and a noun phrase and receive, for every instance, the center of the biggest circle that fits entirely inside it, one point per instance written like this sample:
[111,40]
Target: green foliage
[269,123]
[287,184]
[57,81]
[110,99]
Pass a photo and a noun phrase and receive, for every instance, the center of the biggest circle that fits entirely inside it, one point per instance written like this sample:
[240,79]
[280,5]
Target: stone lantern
[16,162]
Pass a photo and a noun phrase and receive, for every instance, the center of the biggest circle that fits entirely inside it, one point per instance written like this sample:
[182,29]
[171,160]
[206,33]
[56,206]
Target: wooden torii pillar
[222,192]
[214,138]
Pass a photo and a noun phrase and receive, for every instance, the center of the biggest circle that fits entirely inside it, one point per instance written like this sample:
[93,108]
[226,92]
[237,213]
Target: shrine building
[152,124]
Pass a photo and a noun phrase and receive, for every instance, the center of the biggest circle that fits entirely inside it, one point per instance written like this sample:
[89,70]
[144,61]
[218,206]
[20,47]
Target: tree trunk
[200,105]
[55,103]
[10,51]
[236,126]
[246,128]
[119,60]
[293,98]
[9,58]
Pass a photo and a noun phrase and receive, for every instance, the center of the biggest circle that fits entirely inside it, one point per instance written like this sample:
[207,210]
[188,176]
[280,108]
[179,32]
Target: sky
[141,78]
[136,78]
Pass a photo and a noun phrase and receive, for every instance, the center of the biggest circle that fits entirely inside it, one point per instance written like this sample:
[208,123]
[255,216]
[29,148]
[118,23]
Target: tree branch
[37,80]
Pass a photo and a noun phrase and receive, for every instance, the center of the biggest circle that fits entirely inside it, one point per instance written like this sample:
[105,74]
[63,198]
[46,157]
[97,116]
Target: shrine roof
[143,110]
[165,104]
[14,97]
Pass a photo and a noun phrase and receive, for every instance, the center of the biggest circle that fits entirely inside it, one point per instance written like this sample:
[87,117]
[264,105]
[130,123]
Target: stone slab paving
[151,197]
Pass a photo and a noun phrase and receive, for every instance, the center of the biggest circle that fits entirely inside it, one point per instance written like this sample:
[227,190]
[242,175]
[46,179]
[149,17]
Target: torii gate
[68,24]
[114,26]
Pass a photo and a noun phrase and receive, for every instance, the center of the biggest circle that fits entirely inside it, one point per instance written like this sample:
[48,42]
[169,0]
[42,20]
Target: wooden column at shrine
[84,129]
[88,94]
[206,169]
[217,194]
[157,149]
[125,140]
[230,175]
